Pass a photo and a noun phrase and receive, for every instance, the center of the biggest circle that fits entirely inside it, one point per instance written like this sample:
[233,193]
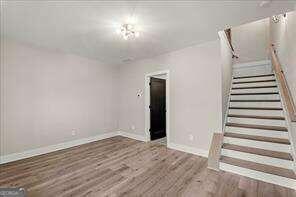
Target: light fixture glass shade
[128,31]
[275,18]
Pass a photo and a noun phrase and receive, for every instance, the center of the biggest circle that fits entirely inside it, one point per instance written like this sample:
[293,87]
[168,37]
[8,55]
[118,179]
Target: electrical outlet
[191,137]
[133,127]
[73,132]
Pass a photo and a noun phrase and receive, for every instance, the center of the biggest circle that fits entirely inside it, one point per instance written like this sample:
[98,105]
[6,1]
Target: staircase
[256,141]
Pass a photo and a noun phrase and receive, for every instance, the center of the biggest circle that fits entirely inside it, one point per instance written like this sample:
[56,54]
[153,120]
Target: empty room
[147,98]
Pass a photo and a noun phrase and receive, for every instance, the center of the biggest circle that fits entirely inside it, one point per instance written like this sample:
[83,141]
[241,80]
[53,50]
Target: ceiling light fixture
[275,18]
[128,31]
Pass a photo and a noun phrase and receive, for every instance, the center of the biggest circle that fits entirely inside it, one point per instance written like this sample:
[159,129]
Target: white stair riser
[258,132]
[257,121]
[254,84]
[252,70]
[282,163]
[257,112]
[254,79]
[269,178]
[252,64]
[256,97]
[258,144]
[256,90]
[255,104]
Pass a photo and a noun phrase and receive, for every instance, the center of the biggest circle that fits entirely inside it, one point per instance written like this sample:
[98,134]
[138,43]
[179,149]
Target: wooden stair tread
[259,167]
[251,126]
[257,108]
[253,76]
[257,117]
[255,93]
[257,138]
[253,87]
[254,100]
[258,151]
[257,81]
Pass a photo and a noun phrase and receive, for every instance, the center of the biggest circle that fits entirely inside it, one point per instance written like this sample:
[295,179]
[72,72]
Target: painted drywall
[250,41]
[282,35]
[47,95]
[226,63]
[195,94]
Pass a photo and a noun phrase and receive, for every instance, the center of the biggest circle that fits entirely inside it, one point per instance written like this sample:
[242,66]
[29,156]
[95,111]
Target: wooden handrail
[228,35]
[286,94]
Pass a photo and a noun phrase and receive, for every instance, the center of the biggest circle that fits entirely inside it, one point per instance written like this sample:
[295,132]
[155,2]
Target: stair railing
[228,35]
[286,94]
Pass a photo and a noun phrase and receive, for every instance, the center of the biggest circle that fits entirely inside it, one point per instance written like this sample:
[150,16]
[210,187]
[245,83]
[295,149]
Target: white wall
[195,94]
[47,94]
[283,37]
[250,41]
[227,61]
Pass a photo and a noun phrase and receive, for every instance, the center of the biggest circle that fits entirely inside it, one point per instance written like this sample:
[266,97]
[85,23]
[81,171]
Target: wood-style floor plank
[125,167]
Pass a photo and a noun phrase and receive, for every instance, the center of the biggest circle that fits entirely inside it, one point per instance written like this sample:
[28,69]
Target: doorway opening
[157,107]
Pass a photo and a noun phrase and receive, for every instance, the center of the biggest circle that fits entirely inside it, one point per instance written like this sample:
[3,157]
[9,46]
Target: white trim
[223,36]
[52,148]
[189,149]
[132,136]
[281,163]
[252,64]
[2,69]
[288,122]
[258,144]
[228,105]
[269,178]
[48,149]
[147,103]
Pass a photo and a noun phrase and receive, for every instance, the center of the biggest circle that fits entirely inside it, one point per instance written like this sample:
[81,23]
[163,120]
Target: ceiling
[88,28]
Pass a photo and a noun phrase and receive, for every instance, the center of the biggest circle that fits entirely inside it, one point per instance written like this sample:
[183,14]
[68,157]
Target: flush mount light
[275,18]
[128,31]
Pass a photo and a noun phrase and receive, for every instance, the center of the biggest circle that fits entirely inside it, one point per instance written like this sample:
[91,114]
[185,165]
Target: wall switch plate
[191,137]
[133,127]
[73,132]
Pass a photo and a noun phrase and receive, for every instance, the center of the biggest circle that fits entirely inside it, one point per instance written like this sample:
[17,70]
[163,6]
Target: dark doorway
[157,108]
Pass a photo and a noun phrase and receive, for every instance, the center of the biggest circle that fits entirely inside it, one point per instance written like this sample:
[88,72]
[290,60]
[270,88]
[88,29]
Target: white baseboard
[188,149]
[52,148]
[132,136]
[61,146]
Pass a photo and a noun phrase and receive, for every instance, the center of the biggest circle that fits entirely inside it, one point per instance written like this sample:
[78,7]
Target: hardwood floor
[124,167]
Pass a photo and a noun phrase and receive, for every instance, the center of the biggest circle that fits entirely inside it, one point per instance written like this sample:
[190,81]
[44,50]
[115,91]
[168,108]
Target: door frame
[147,103]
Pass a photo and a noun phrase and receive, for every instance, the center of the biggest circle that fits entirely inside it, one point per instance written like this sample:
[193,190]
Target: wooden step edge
[258,81]
[257,117]
[251,126]
[253,76]
[258,108]
[254,93]
[283,172]
[253,87]
[258,151]
[254,100]
[257,138]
